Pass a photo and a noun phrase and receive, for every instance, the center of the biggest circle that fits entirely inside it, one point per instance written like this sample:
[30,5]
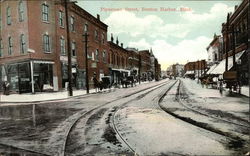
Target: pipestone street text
[143,9]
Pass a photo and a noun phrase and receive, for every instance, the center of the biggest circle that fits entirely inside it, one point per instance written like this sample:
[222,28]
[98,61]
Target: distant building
[195,69]
[214,50]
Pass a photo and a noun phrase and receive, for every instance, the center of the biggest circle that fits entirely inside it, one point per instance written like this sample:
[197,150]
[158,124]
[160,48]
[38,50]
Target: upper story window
[61,16]
[22,44]
[46,43]
[10,46]
[97,55]
[104,57]
[45,12]
[0,22]
[86,28]
[62,46]
[1,48]
[96,35]
[21,11]
[72,23]
[103,38]
[8,15]
[73,48]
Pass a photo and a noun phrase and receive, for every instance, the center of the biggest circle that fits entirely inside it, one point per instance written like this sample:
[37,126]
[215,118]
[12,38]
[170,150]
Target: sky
[177,31]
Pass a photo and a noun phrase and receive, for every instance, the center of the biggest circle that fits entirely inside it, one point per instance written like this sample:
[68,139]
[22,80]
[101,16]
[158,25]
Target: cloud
[151,25]
[217,11]
[167,54]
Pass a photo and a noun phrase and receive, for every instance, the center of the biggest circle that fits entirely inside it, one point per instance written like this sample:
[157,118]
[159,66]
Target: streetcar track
[121,106]
[202,113]
[233,139]
[100,106]
[25,150]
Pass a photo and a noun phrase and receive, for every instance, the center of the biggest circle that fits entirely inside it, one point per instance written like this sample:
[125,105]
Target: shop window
[22,44]
[45,12]
[21,11]
[10,47]
[46,43]
[61,16]
[8,16]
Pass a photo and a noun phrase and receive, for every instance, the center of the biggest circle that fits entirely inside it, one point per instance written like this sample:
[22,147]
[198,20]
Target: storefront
[78,76]
[43,76]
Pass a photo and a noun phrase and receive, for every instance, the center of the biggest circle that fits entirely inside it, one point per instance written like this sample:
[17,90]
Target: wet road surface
[125,121]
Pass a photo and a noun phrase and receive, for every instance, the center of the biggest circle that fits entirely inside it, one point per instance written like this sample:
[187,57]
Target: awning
[43,62]
[189,72]
[212,68]
[220,69]
[120,70]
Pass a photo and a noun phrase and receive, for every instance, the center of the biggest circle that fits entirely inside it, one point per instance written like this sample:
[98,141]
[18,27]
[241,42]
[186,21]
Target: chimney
[117,41]
[98,16]
[112,38]
[235,7]
[122,45]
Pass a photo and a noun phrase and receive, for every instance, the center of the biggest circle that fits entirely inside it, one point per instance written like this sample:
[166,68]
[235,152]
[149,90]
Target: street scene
[124,78]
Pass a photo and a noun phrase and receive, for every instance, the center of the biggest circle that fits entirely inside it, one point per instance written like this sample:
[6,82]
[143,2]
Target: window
[61,16]
[104,56]
[45,12]
[62,46]
[21,11]
[103,38]
[93,56]
[22,44]
[97,54]
[73,48]
[1,48]
[86,28]
[8,16]
[72,23]
[46,43]
[96,35]
[10,48]
[0,23]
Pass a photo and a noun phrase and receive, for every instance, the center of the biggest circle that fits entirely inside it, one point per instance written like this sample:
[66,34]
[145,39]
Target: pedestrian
[6,86]
[96,83]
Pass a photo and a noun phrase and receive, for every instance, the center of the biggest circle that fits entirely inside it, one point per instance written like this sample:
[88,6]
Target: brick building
[34,42]
[118,61]
[133,60]
[195,69]
[145,63]
[33,47]
[235,38]
[235,45]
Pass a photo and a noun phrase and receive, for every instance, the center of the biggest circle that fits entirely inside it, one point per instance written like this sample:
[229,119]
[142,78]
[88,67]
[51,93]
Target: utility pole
[227,42]
[248,40]
[86,62]
[139,68]
[69,49]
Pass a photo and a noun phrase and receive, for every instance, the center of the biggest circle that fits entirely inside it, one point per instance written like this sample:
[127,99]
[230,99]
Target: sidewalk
[48,96]
[244,89]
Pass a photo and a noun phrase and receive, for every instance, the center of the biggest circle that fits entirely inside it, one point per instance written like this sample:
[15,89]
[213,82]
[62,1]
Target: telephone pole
[86,62]
[69,49]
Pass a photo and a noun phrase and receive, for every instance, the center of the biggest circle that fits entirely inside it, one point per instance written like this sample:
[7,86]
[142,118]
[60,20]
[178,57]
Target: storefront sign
[73,70]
